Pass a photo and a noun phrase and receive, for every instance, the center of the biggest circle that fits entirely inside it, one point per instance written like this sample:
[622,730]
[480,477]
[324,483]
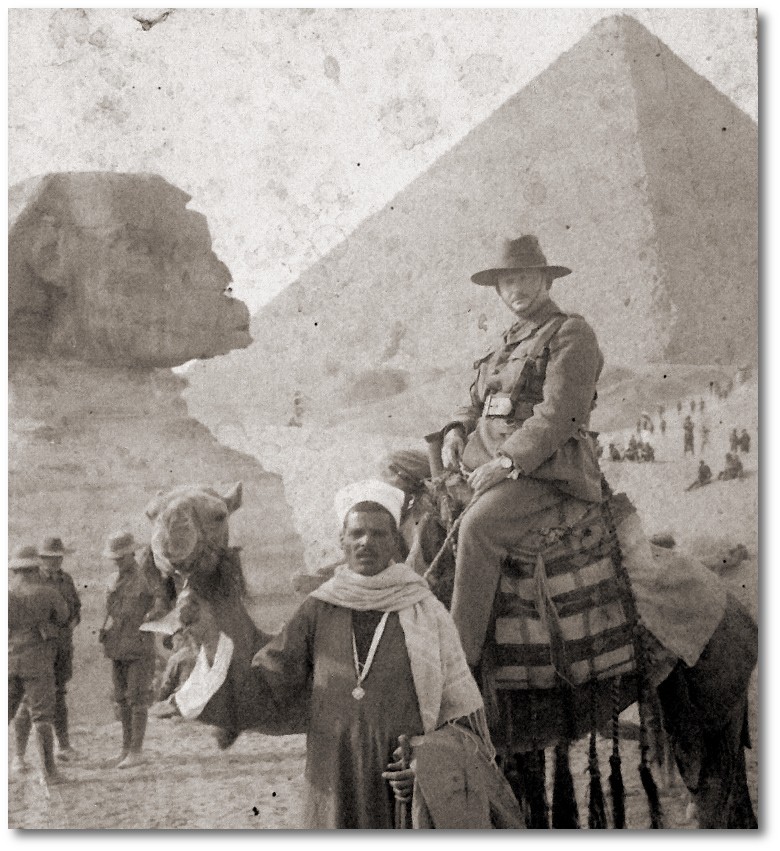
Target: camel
[703,706]
[190,549]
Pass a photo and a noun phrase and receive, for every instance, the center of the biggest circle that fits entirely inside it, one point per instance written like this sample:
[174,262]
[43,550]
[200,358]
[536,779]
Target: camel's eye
[219,514]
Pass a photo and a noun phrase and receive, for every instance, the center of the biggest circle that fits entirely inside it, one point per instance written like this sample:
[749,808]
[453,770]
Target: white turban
[370,490]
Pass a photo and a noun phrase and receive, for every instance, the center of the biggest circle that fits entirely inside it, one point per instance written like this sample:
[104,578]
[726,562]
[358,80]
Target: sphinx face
[115,269]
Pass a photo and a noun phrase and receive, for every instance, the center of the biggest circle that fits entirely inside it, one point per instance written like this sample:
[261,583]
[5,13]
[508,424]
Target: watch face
[506,462]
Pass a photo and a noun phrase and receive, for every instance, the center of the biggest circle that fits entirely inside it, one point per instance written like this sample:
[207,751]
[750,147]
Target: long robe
[349,742]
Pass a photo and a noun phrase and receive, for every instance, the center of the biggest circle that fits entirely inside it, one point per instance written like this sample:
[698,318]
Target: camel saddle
[563,609]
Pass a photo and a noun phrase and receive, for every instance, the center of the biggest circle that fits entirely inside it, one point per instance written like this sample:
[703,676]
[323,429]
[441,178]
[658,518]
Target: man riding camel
[523,439]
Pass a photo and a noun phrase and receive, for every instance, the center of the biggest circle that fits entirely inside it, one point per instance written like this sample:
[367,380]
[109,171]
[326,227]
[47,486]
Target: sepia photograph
[383,419]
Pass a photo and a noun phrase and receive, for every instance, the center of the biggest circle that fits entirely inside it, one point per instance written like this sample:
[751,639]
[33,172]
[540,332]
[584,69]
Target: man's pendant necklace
[361,671]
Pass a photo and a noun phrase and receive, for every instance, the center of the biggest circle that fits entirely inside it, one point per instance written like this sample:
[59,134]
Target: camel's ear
[233,497]
[153,508]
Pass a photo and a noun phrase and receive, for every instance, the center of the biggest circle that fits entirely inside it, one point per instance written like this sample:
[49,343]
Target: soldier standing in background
[52,553]
[36,614]
[131,600]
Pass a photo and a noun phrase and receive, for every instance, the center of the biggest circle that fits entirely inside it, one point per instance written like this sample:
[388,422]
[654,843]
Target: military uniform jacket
[36,613]
[129,599]
[63,583]
[545,434]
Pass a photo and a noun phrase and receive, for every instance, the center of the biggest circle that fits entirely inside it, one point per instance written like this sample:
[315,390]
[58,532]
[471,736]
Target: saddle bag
[563,611]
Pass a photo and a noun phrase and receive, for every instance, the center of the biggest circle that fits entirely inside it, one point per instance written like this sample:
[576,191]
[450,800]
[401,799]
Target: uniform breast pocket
[529,373]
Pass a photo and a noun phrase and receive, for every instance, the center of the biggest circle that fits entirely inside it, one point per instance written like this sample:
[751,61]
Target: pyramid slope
[569,157]
[701,158]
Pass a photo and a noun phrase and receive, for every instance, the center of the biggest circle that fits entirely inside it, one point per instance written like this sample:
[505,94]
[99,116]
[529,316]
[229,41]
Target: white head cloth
[370,490]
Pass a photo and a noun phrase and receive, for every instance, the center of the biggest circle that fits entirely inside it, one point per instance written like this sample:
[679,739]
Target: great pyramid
[632,169]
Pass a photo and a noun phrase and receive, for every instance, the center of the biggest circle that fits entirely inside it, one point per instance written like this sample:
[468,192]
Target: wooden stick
[402,807]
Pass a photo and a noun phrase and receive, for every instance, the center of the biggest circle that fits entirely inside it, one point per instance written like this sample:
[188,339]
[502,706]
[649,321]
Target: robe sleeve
[270,691]
[285,664]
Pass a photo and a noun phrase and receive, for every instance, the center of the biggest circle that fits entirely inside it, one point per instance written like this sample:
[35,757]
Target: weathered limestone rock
[112,279]
[114,269]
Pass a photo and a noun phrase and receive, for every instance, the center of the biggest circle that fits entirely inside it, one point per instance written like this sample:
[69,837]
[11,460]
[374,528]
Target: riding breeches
[494,524]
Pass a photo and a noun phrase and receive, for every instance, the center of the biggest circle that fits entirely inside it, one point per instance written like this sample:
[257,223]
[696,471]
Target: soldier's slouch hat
[120,544]
[24,557]
[54,548]
[519,255]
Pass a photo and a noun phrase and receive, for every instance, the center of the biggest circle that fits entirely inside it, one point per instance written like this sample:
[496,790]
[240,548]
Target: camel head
[190,529]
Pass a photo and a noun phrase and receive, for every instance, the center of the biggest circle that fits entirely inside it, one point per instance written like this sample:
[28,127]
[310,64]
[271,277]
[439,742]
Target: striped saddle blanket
[564,610]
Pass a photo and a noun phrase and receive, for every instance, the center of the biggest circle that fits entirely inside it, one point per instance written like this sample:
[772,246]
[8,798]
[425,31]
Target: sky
[289,127]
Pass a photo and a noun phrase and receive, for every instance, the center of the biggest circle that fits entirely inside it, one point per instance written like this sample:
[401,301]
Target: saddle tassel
[597,809]
[645,773]
[548,616]
[565,815]
[616,787]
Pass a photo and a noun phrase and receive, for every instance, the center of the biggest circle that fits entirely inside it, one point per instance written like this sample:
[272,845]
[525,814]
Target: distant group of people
[640,449]
[722,391]
[688,436]
[733,469]
[44,608]
[739,442]
[692,405]
[637,450]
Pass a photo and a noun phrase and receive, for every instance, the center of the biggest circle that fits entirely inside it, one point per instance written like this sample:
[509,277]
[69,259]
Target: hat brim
[51,554]
[115,554]
[22,563]
[487,277]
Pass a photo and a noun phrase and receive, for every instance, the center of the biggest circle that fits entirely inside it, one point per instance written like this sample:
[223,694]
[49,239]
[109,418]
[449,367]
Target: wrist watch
[509,465]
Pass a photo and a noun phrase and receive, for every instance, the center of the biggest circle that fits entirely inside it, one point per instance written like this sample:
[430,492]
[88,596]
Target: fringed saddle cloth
[564,610]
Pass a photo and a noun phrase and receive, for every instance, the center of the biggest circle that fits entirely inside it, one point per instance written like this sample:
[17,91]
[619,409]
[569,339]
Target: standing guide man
[523,440]
[36,614]
[131,600]
[377,656]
